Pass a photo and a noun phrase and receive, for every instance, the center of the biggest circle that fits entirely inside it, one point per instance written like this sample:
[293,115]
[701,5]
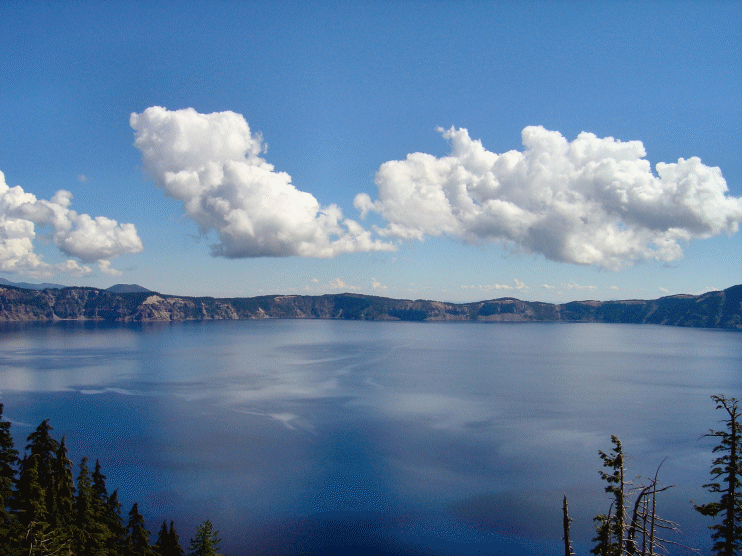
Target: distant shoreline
[717,309]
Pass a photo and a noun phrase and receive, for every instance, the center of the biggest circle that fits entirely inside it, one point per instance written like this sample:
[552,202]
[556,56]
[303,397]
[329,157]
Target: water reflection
[386,437]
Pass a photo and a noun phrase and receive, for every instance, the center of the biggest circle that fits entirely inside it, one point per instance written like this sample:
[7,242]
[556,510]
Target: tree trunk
[566,520]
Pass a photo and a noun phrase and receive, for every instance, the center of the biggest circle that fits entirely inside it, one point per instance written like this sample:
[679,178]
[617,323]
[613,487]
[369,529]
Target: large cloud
[77,235]
[212,163]
[591,201]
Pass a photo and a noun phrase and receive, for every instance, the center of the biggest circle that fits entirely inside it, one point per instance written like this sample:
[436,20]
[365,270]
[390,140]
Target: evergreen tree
[603,536]
[83,508]
[137,539]
[8,462]
[41,443]
[168,543]
[174,547]
[100,493]
[117,535]
[84,502]
[35,499]
[34,532]
[725,469]
[44,448]
[99,507]
[64,486]
[206,542]
[611,528]
[162,540]
[29,499]
[61,496]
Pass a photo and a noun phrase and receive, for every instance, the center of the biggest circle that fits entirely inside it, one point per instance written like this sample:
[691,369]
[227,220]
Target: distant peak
[29,286]
[127,288]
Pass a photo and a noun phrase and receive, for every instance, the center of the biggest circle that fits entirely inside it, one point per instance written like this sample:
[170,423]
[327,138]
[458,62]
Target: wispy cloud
[74,269]
[334,285]
[592,201]
[341,285]
[575,286]
[377,286]
[212,164]
[494,287]
[105,268]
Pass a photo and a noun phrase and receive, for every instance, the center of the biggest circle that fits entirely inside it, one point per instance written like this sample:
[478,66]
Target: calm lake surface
[327,437]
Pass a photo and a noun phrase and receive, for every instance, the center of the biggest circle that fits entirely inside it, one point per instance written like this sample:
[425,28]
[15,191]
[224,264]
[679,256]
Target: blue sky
[456,151]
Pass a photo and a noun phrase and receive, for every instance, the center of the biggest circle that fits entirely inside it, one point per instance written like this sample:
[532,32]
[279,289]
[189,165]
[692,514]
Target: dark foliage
[206,541]
[408,314]
[351,308]
[8,463]
[727,481]
[44,511]
[489,309]
[168,543]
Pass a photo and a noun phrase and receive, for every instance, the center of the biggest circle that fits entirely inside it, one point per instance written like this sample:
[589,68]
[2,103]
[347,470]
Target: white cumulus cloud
[591,201]
[77,235]
[212,164]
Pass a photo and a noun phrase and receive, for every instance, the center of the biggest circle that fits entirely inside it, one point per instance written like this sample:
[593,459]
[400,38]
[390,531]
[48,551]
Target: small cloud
[613,288]
[73,268]
[575,286]
[338,284]
[548,287]
[82,178]
[377,286]
[665,290]
[494,287]
[105,267]
[335,285]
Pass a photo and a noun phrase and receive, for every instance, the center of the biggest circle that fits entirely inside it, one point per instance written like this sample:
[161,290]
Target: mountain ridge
[30,286]
[717,309]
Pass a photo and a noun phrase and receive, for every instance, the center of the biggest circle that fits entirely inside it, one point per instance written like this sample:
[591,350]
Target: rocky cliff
[718,309]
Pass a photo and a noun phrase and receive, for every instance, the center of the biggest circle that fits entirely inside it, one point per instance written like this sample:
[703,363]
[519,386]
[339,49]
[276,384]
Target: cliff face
[720,309]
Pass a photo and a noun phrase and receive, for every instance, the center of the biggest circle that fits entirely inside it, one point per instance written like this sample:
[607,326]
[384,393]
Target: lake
[329,437]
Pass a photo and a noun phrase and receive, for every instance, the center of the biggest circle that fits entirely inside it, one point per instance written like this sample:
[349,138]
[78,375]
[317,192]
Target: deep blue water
[326,437]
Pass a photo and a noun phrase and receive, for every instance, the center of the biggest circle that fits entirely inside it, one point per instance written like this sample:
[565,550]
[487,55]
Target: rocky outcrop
[719,309]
